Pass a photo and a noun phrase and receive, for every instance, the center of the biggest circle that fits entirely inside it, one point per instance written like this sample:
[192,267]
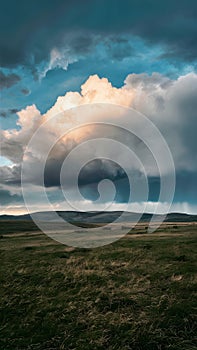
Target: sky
[59,56]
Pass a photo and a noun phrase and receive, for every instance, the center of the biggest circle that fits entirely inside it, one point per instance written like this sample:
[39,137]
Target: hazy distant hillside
[102,217]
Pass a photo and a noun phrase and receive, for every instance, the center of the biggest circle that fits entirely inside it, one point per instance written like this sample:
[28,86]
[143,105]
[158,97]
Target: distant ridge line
[102,217]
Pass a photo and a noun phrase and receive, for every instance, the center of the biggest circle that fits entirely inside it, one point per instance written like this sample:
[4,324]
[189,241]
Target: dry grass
[138,293]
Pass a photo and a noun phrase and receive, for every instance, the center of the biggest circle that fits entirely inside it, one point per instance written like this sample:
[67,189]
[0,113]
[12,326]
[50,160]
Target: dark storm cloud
[98,170]
[90,177]
[25,91]
[34,28]
[3,114]
[119,48]
[91,174]
[6,81]
[13,110]
[81,44]
[6,113]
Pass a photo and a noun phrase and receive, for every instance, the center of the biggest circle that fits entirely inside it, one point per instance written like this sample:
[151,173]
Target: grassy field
[138,293]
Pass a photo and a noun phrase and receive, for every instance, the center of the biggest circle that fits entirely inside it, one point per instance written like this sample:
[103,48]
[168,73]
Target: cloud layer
[6,81]
[34,30]
[170,104]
